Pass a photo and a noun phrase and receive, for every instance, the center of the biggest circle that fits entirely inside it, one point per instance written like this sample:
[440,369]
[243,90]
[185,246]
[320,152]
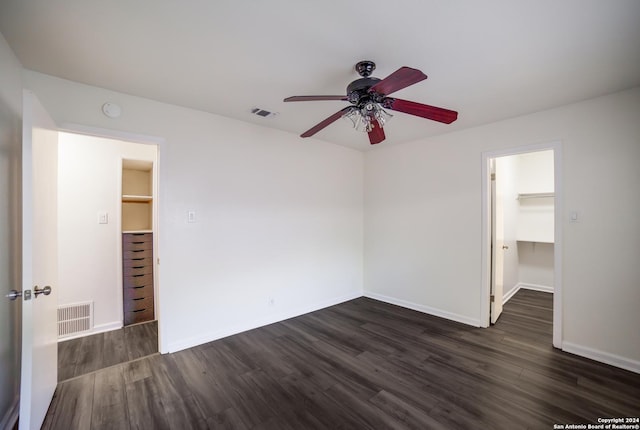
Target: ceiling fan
[369,99]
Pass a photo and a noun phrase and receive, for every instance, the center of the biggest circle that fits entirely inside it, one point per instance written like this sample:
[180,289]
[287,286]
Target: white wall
[88,183]
[277,217]
[536,265]
[528,263]
[423,229]
[535,215]
[535,172]
[10,248]
[536,220]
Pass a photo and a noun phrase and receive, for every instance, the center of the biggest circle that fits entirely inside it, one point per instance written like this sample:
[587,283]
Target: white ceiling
[489,60]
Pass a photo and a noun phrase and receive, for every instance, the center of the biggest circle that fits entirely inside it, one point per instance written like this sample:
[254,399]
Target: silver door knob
[46,291]
[505,247]
[13,294]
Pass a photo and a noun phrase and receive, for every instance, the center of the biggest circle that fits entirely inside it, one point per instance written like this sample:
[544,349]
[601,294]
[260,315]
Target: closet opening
[521,240]
[107,252]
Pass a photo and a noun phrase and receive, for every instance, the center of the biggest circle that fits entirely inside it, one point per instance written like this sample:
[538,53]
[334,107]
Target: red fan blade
[401,78]
[313,98]
[418,109]
[376,135]
[316,128]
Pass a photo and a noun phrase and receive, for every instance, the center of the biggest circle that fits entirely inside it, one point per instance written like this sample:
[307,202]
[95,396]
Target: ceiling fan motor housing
[358,91]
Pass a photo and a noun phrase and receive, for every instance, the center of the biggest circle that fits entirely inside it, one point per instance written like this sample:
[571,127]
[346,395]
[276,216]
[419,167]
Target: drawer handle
[137,267]
[139,310]
[137,250]
[140,298]
[141,286]
[138,234]
[137,259]
[137,243]
[136,276]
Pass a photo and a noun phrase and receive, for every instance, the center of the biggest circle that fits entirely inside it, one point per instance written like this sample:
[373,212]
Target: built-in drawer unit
[137,272]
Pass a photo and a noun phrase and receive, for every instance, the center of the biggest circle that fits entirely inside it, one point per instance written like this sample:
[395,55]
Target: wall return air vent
[75,318]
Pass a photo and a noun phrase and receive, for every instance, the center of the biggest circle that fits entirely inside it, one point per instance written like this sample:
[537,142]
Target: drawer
[137,262]
[138,316]
[137,241]
[137,270]
[139,304]
[137,253]
[136,246]
[137,281]
[137,237]
[137,292]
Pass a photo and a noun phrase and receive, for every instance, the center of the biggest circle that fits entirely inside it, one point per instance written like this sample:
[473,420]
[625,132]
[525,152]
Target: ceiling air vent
[263,113]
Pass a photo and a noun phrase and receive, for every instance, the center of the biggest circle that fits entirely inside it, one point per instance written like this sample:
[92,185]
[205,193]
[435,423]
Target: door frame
[145,140]
[485,293]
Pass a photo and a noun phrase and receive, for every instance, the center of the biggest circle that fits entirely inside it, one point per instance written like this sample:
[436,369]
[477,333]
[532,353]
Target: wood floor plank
[72,405]
[89,354]
[141,340]
[362,364]
[207,394]
[114,349]
[144,405]
[109,409]
[98,351]
[405,413]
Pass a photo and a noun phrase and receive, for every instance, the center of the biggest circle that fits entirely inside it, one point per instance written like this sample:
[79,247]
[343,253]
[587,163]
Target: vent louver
[263,112]
[75,318]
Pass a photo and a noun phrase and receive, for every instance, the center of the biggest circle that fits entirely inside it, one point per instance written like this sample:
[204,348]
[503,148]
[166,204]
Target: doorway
[97,206]
[521,249]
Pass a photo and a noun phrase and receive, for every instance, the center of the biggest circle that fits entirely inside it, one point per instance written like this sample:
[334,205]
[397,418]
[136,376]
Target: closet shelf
[523,196]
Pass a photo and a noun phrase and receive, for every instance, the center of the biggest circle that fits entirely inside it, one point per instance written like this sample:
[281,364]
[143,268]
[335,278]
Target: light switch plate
[103,218]
[191,216]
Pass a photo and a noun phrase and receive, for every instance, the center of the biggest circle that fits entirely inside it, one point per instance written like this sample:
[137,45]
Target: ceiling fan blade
[418,109]
[376,135]
[316,128]
[401,78]
[313,98]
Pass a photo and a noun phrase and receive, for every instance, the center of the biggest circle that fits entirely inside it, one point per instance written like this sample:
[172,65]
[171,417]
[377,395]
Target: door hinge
[493,176]
[492,298]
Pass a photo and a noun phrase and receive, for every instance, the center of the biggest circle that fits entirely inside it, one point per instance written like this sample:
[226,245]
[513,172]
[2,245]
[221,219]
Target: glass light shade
[362,119]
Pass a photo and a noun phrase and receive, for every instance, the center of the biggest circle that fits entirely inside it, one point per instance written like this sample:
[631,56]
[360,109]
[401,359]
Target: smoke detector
[111,110]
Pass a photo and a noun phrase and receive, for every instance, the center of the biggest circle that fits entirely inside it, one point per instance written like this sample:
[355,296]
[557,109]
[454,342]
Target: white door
[497,242]
[39,262]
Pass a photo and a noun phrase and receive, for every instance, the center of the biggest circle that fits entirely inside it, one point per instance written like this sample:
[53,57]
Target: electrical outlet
[191,216]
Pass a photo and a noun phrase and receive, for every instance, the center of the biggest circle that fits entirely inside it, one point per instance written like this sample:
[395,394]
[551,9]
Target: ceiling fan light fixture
[362,118]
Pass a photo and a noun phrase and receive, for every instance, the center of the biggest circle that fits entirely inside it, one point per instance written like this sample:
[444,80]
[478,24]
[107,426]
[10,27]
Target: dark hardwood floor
[359,365]
[90,353]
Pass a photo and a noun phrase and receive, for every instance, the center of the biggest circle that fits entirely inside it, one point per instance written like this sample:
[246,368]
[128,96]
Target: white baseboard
[101,328]
[258,322]
[424,309]
[536,287]
[603,357]
[10,417]
[512,292]
[521,285]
